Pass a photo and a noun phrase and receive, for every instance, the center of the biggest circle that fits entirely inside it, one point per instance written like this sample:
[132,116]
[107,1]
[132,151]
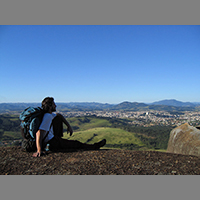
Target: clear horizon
[103,64]
[105,103]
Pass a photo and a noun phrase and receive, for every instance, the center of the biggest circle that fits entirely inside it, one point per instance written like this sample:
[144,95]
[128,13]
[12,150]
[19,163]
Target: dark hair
[47,103]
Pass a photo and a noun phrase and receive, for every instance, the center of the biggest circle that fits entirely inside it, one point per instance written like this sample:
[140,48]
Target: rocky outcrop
[184,139]
[13,161]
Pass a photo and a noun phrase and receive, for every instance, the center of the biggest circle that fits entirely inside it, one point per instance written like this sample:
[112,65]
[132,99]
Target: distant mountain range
[173,102]
[167,105]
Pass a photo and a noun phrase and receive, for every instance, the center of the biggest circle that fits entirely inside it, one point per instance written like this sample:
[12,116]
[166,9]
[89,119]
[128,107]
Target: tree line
[156,137]
[9,123]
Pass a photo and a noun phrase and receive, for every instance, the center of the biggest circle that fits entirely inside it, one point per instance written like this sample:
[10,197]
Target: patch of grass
[14,119]
[87,122]
[115,137]
[95,123]
[9,135]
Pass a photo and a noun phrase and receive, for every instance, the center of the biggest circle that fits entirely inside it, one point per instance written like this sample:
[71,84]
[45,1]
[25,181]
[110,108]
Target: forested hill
[6,107]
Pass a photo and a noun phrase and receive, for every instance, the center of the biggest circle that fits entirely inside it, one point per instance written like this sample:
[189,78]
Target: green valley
[119,133]
[116,137]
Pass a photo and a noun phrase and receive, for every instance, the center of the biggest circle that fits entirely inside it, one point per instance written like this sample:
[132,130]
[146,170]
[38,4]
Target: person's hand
[69,130]
[38,154]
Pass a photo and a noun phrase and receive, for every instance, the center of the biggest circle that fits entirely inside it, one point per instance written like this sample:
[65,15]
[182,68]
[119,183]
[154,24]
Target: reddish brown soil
[99,162]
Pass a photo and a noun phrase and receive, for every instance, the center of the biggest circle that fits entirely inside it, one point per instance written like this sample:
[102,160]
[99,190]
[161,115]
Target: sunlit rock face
[184,139]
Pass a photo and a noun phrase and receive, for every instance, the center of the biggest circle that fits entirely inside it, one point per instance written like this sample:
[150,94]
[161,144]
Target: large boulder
[184,139]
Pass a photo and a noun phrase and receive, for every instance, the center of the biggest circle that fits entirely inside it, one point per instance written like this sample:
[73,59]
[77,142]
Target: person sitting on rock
[53,122]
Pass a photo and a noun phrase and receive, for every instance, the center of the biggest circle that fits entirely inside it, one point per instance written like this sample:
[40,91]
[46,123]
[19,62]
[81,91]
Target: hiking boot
[100,144]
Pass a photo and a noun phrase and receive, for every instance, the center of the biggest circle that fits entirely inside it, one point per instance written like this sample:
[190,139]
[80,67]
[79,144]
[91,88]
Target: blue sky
[106,64]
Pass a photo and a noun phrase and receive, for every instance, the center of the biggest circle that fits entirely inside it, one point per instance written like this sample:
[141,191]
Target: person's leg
[54,144]
[74,144]
[59,143]
[58,126]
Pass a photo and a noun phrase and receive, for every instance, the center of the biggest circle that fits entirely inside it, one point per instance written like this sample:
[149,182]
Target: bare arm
[66,123]
[39,137]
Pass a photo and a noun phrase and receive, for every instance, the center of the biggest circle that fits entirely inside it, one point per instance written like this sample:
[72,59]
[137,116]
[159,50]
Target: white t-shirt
[45,125]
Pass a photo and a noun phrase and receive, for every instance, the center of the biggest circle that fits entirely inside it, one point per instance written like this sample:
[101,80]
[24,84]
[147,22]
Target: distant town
[139,118]
[144,118]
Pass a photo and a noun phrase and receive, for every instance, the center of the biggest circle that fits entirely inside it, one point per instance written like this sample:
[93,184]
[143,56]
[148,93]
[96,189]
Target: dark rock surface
[100,162]
[184,139]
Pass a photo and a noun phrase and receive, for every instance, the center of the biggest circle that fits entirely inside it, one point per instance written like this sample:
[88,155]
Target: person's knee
[57,119]
[58,126]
